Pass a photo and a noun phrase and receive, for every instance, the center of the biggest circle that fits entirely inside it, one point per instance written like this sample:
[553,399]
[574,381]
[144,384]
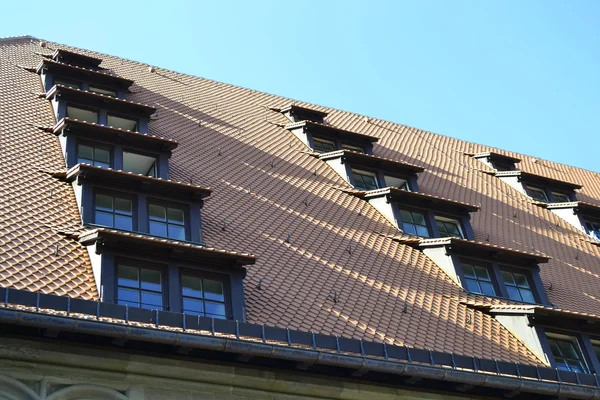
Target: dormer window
[139,164]
[414,223]
[449,227]
[537,193]
[497,161]
[567,353]
[298,114]
[104,91]
[167,221]
[396,182]
[140,287]
[539,188]
[593,228]
[113,211]
[357,149]
[364,180]
[204,295]
[518,285]
[126,124]
[82,114]
[67,82]
[93,155]
[559,197]
[323,145]
[478,278]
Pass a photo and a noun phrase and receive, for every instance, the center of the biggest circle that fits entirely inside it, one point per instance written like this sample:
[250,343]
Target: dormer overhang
[99,101]
[528,177]
[420,200]
[83,74]
[129,241]
[493,159]
[578,207]
[484,251]
[372,162]
[80,60]
[113,179]
[297,113]
[306,130]
[91,131]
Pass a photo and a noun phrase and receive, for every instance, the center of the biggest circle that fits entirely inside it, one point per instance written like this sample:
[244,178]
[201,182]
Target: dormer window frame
[549,193]
[306,130]
[497,161]
[524,182]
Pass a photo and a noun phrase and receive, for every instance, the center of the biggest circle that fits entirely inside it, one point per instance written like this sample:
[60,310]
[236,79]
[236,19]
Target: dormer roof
[303,113]
[495,156]
[369,161]
[96,100]
[580,207]
[538,179]
[115,135]
[83,74]
[81,60]
[331,132]
[419,200]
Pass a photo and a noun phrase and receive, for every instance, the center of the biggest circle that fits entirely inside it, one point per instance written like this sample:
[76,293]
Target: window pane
[422,231]
[409,229]
[128,276]
[405,216]
[468,270]
[508,278]
[191,286]
[537,193]
[123,206]
[527,295]
[176,232]
[192,306]
[104,202]
[158,229]
[157,212]
[419,219]
[487,288]
[353,148]
[521,280]
[150,280]
[560,197]
[513,293]
[82,115]
[102,155]
[473,286]
[175,215]
[84,151]
[67,83]
[215,310]
[123,123]
[104,219]
[151,300]
[128,296]
[482,273]
[213,290]
[106,92]
[123,222]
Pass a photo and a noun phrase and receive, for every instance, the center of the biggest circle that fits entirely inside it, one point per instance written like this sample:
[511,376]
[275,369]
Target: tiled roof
[272,199]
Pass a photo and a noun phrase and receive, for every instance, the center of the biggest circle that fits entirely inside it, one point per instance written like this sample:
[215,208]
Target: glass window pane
[473,286]
[507,277]
[527,295]
[122,123]
[468,270]
[123,206]
[102,155]
[101,164]
[176,232]
[213,290]
[150,279]
[104,202]
[151,300]
[191,286]
[409,229]
[86,152]
[422,231]
[215,310]
[521,280]
[419,219]
[106,92]
[82,114]
[487,288]
[482,273]
[192,306]
[513,293]
[157,212]
[104,219]
[158,228]
[128,296]
[567,349]
[175,215]
[128,276]
[123,222]
[405,216]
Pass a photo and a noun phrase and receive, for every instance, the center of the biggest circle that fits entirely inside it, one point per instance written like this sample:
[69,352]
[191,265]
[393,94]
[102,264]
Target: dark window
[323,145]
[67,83]
[203,296]
[448,227]
[504,165]
[350,147]
[139,287]
[113,211]
[126,124]
[82,114]
[567,353]
[167,221]
[104,91]
[413,223]
[400,183]
[139,163]
[93,155]
[596,348]
[517,285]
[537,193]
[478,279]
[364,180]
[593,229]
[559,197]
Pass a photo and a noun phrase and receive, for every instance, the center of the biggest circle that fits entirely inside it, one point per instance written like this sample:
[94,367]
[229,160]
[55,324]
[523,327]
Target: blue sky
[518,75]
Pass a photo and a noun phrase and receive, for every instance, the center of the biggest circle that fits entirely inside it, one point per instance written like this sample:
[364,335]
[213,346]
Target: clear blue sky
[519,75]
